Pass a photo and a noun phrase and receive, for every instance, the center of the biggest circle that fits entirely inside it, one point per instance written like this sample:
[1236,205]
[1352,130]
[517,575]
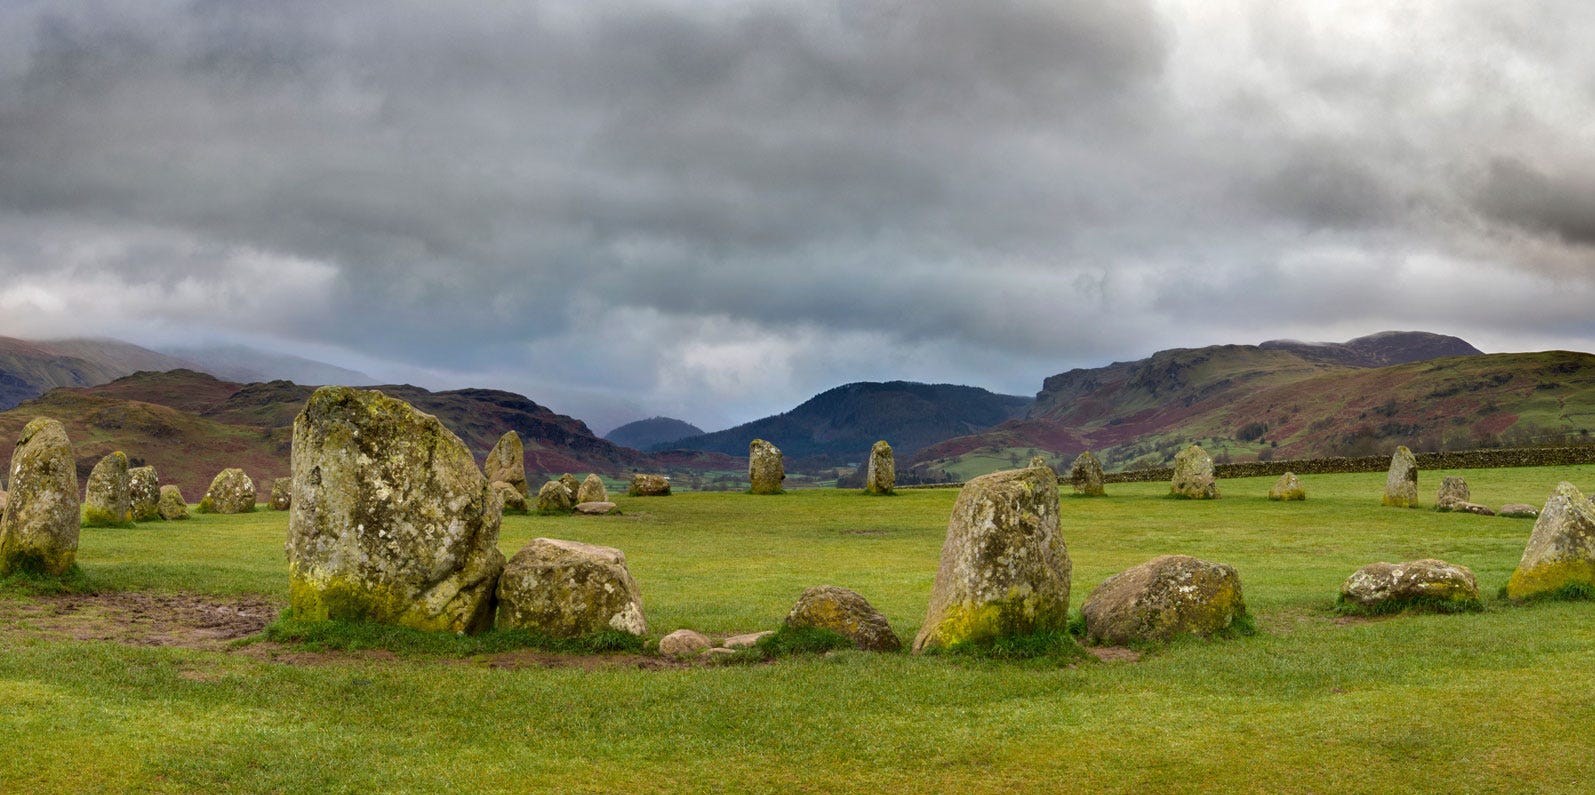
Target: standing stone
[649,486]
[553,497]
[282,494]
[592,490]
[1560,556]
[572,486]
[513,500]
[844,612]
[144,489]
[1401,484]
[172,504]
[107,499]
[881,476]
[1086,475]
[1004,566]
[506,463]
[1454,493]
[1287,488]
[1426,584]
[568,589]
[40,529]
[765,468]
[231,491]
[1164,597]
[1193,475]
[391,520]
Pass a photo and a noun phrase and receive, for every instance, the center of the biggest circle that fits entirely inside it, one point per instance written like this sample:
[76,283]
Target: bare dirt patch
[1115,654]
[184,620]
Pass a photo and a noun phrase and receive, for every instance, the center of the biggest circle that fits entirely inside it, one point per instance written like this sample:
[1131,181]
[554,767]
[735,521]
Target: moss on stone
[1546,580]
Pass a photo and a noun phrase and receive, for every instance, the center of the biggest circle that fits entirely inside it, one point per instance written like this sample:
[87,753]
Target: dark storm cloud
[1562,205]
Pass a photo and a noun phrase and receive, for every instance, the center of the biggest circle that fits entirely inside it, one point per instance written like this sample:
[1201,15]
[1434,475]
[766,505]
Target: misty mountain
[645,434]
[244,364]
[28,368]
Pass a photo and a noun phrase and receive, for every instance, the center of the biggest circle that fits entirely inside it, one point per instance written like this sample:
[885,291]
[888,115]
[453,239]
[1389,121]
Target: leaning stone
[553,497]
[595,508]
[107,499]
[1426,584]
[230,492]
[765,468]
[514,501]
[592,490]
[1518,510]
[1193,475]
[568,589]
[684,643]
[1086,475]
[844,612]
[880,477]
[1004,568]
[282,494]
[649,486]
[40,529]
[1453,492]
[572,486]
[172,504]
[144,493]
[1163,598]
[746,641]
[506,463]
[392,521]
[1560,555]
[1287,488]
[1401,484]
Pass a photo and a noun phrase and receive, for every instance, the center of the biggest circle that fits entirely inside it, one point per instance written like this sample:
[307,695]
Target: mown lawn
[1499,701]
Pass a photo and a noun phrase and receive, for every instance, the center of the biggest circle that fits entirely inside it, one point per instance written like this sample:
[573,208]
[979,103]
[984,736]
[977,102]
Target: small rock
[1193,475]
[1287,488]
[765,468]
[572,486]
[1471,507]
[1401,483]
[1165,597]
[1518,510]
[746,641]
[230,492]
[881,475]
[592,490]
[845,612]
[1453,492]
[1415,584]
[649,486]
[595,508]
[144,492]
[514,500]
[172,504]
[684,642]
[553,497]
[107,499]
[282,494]
[569,589]
[717,653]
[1086,475]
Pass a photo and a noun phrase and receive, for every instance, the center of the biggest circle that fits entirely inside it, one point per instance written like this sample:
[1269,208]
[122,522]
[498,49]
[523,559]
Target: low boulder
[144,494]
[1518,510]
[553,497]
[595,508]
[506,463]
[1401,482]
[746,640]
[231,491]
[1288,488]
[766,470]
[1164,598]
[1560,556]
[172,505]
[684,643]
[847,613]
[1427,584]
[1472,507]
[881,475]
[39,531]
[514,501]
[282,494]
[572,486]
[1193,475]
[107,499]
[568,589]
[649,486]
[1453,492]
[592,490]
[1086,475]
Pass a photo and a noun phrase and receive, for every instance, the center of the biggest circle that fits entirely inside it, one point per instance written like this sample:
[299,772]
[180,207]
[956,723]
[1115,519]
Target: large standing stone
[1086,475]
[1288,488]
[1454,493]
[1401,484]
[1164,597]
[765,467]
[506,463]
[107,499]
[282,494]
[1004,566]
[1560,555]
[231,491]
[649,486]
[172,504]
[845,612]
[391,519]
[144,490]
[40,528]
[553,497]
[569,589]
[1193,475]
[1426,584]
[592,490]
[512,498]
[881,475]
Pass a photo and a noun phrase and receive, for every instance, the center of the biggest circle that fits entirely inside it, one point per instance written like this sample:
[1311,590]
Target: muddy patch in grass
[1114,654]
[190,621]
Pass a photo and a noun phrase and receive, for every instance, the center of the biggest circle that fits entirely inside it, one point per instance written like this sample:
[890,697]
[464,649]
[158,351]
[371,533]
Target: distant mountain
[28,369]
[842,423]
[243,364]
[1379,350]
[644,434]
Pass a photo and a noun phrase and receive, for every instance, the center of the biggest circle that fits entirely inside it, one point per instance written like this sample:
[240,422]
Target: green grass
[1492,701]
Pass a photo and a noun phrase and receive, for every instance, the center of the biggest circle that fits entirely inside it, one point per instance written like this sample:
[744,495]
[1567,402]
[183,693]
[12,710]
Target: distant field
[1494,702]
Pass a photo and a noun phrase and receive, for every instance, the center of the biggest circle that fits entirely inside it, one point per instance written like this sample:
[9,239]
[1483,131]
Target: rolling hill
[644,434]
[29,369]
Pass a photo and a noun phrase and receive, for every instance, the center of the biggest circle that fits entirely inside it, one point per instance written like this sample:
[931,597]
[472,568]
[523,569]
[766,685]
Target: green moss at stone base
[34,562]
[1398,502]
[986,622]
[1562,579]
[96,517]
[340,599]
[1415,604]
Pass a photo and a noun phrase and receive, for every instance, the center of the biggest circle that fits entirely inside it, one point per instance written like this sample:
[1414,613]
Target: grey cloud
[1521,195]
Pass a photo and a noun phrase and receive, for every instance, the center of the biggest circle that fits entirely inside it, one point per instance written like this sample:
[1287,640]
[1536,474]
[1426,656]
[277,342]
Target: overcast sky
[713,210]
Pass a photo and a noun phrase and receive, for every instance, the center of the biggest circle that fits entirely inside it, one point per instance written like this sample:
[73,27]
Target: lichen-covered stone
[592,490]
[1518,510]
[231,491]
[512,498]
[553,497]
[1085,475]
[1165,597]
[144,494]
[597,508]
[880,475]
[568,589]
[506,463]
[571,484]
[766,469]
[649,486]
[1561,549]
[282,494]
[684,643]
[1401,484]
[1472,507]
[172,505]
[1453,493]
[845,612]
[40,529]
[391,519]
[1193,475]
[1288,488]
[1426,584]
[107,498]
[1004,567]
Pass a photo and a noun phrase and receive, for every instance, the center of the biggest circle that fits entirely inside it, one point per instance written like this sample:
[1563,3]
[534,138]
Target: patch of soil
[1115,654]
[531,658]
[184,620]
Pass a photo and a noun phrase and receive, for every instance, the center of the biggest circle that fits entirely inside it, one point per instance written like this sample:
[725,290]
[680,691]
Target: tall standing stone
[231,491]
[40,528]
[391,519]
[506,463]
[1560,555]
[107,499]
[1086,475]
[592,490]
[1004,566]
[765,467]
[1401,484]
[881,476]
[144,489]
[1193,475]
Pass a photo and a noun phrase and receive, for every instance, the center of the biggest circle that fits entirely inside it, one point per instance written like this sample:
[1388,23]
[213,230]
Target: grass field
[1499,701]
